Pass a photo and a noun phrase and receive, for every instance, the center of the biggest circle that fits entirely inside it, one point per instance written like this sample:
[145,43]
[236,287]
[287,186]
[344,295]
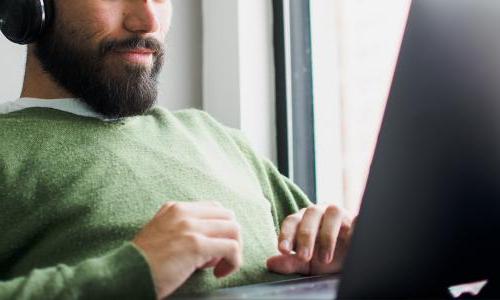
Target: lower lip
[137,57]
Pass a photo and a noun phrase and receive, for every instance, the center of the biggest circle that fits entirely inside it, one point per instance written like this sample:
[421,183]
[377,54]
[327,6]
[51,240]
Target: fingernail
[304,253]
[285,245]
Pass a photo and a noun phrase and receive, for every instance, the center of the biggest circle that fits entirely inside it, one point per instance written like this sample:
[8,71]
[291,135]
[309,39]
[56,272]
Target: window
[353,46]
[295,110]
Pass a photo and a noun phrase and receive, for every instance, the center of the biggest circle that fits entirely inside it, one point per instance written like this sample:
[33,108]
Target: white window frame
[327,102]
[238,69]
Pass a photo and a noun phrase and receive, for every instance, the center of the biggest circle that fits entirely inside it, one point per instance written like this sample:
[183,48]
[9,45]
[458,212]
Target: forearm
[123,273]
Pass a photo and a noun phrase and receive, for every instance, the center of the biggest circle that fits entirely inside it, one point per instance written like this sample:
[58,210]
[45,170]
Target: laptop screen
[430,216]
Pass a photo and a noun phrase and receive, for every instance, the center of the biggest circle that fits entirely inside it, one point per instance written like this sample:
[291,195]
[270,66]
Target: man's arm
[313,239]
[180,239]
[122,273]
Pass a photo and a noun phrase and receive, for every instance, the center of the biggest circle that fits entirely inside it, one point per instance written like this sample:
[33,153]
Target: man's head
[108,53]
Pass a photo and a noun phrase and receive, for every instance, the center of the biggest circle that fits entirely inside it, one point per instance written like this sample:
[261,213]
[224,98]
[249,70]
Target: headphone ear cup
[24,20]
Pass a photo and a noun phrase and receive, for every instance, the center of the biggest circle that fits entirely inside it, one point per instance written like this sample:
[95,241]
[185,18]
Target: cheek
[98,23]
[104,23]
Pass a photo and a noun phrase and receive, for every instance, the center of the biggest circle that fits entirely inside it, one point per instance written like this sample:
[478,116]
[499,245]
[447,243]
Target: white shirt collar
[70,105]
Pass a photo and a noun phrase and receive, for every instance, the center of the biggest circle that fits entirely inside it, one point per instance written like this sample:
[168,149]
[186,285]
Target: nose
[141,17]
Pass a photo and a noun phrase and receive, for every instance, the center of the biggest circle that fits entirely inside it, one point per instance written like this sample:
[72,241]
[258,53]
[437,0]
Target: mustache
[131,44]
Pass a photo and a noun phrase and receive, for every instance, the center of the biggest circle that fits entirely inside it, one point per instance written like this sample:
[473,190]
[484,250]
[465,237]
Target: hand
[185,237]
[313,241]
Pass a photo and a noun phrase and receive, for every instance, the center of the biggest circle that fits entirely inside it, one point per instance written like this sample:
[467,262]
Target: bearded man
[104,195]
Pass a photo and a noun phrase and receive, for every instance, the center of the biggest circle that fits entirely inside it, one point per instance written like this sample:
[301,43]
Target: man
[102,195]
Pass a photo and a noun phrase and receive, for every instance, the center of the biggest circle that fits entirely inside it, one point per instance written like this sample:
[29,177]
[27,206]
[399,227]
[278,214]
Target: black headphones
[24,21]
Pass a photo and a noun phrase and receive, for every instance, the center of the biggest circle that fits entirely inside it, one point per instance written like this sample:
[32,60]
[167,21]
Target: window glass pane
[352,72]
[370,34]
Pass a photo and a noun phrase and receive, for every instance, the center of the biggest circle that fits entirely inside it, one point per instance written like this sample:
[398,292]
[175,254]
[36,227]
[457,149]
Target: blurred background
[305,80]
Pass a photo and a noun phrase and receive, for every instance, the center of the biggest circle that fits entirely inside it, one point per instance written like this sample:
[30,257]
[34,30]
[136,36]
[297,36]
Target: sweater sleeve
[284,195]
[121,274]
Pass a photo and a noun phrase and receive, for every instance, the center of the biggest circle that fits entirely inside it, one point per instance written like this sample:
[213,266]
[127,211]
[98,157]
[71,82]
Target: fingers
[229,251]
[287,264]
[307,232]
[329,233]
[213,228]
[210,231]
[289,226]
[222,231]
[314,228]
[211,264]
[184,237]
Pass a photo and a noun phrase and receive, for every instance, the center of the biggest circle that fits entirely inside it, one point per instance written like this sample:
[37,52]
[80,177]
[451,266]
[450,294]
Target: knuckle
[184,225]
[176,209]
[292,218]
[286,229]
[344,232]
[163,209]
[235,249]
[345,226]
[235,231]
[194,243]
[234,246]
[165,205]
[237,228]
[333,210]
[231,214]
[304,234]
[314,210]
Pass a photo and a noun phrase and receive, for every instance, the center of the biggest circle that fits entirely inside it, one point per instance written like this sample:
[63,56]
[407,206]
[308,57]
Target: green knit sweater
[74,191]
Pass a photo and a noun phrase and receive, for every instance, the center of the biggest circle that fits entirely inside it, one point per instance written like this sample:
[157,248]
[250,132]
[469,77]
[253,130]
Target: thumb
[287,264]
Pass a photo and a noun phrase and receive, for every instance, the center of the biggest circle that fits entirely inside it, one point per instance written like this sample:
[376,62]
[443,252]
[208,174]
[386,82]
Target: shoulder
[199,121]
[33,127]
[14,124]
[197,117]
[187,117]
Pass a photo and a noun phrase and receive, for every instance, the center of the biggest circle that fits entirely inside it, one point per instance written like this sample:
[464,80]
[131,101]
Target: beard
[111,87]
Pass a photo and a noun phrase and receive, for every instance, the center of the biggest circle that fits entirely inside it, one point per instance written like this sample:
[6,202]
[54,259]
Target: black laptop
[430,216]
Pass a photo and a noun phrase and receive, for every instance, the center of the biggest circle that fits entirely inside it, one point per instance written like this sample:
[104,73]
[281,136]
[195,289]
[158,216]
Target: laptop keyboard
[321,289]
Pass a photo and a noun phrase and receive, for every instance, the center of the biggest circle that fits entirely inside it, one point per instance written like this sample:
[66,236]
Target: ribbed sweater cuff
[128,274]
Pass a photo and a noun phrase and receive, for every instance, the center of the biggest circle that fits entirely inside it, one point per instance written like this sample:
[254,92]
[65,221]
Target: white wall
[180,81]
[238,69]
[12,61]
